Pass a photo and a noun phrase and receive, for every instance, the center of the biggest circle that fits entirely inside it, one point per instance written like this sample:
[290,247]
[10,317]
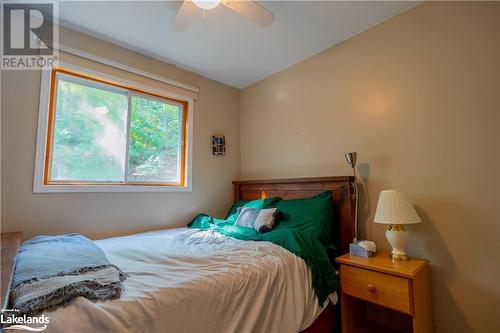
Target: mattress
[188,280]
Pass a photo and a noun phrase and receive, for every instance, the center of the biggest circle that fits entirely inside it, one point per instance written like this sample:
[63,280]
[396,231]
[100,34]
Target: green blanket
[314,253]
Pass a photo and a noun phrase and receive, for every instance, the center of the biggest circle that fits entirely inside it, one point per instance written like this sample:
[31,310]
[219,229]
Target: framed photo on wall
[219,145]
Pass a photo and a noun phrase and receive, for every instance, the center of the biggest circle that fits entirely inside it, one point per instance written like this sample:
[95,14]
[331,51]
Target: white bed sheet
[187,280]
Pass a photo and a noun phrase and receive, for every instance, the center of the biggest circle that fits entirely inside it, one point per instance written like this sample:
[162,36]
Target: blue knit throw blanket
[50,271]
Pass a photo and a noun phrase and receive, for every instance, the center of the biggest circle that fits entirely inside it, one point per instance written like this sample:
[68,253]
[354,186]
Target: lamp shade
[394,208]
[351,159]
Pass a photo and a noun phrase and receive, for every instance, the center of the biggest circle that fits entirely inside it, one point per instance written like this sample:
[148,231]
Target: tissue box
[357,250]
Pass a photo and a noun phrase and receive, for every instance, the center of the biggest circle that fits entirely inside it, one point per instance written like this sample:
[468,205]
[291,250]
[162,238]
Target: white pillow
[256,218]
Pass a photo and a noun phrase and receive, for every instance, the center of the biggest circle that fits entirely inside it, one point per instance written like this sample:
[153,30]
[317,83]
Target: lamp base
[398,257]
[397,236]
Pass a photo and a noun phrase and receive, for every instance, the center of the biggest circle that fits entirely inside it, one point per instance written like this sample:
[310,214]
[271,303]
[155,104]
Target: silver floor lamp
[364,248]
[351,159]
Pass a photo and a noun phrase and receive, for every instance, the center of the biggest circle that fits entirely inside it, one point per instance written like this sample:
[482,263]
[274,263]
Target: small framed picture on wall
[219,145]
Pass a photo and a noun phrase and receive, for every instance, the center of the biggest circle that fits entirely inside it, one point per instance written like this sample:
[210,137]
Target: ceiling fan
[247,8]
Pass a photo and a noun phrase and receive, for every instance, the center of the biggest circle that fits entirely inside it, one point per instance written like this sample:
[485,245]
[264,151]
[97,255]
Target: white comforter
[187,280]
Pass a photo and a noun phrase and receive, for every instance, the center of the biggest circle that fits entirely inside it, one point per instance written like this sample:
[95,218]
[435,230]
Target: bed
[191,280]
[343,198]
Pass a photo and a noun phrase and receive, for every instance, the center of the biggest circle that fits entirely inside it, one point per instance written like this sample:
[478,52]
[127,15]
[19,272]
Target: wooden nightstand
[379,295]
[9,243]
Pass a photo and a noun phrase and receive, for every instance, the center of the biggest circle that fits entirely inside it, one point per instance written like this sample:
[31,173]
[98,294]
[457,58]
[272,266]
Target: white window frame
[39,185]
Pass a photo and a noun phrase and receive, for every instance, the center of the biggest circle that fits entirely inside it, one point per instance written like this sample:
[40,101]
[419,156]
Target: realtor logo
[28,31]
[11,320]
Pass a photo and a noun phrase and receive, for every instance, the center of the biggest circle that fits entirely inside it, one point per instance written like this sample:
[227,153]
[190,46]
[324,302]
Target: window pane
[89,132]
[155,134]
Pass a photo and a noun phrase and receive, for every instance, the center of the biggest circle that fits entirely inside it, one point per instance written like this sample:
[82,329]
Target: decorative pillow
[312,216]
[261,220]
[259,203]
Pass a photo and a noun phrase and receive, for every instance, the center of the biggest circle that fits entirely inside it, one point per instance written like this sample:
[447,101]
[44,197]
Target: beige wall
[418,98]
[102,214]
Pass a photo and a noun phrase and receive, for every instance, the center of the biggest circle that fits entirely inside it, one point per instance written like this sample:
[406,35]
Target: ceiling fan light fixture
[206,4]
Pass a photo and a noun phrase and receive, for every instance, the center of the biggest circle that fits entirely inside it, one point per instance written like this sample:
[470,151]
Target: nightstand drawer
[383,289]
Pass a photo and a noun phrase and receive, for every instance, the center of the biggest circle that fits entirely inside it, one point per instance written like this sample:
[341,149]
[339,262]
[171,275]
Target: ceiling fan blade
[184,16]
[251,10]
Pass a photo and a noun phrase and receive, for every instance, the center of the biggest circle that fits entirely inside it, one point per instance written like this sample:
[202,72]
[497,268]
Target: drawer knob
[370,287]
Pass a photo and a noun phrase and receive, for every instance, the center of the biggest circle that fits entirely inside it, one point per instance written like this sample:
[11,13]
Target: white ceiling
[222,45]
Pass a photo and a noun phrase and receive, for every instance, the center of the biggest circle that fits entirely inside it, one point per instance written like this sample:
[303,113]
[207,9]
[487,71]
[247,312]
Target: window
[101,134]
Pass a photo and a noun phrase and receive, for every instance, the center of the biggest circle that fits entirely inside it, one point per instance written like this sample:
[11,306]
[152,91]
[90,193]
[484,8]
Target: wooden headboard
[295,188]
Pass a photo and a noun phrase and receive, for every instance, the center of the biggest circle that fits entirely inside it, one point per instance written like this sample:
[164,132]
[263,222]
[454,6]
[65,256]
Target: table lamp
[396,210]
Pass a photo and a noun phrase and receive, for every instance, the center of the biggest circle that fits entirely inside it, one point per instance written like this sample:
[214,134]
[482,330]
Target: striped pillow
[261,220]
